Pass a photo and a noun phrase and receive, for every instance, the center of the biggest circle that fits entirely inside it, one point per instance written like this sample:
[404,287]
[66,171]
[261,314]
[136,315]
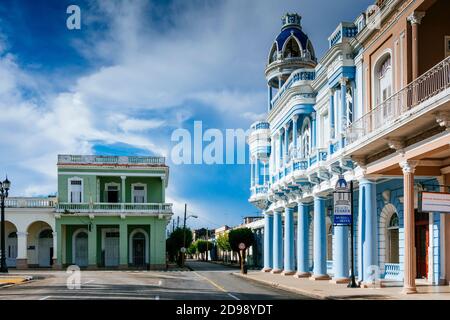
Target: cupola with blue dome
[290,51]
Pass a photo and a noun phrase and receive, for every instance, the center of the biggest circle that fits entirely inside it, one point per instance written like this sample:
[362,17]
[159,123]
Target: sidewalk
[326,290]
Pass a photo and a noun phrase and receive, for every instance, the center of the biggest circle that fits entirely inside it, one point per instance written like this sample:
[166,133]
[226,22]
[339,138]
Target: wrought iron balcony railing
[428,85]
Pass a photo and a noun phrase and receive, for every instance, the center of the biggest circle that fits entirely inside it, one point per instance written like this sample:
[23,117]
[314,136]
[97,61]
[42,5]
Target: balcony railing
[428,85]
[102,207]
[92,159]
[392,271]
[21,202]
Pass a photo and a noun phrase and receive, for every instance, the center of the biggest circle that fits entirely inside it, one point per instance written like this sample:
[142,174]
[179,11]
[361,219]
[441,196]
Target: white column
[55,245]
[163,189]
[22,245]
[123,189]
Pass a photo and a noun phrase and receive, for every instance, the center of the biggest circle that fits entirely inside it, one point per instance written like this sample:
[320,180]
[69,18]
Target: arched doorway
[10,243]
[45,252]
[138,249]
[11,249]
[80,248]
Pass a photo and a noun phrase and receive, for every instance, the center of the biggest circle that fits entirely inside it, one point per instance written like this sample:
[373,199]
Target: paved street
[207,281]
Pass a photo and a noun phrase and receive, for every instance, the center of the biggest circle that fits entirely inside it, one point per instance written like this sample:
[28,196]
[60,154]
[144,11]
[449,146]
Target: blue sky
[135,72]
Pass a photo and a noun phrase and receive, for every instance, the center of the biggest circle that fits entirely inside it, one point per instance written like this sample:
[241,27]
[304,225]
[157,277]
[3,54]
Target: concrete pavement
[327,290]
[208,282]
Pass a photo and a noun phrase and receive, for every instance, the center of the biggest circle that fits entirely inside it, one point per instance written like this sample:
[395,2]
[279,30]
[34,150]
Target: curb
[286,288]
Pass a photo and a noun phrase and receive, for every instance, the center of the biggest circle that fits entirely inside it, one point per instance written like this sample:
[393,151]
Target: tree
[202,247]
[238,236]
[223,243]
[176,241]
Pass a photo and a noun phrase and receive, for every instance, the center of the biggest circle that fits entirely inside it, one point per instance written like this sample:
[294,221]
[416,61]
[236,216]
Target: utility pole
[184,236]
[173,225]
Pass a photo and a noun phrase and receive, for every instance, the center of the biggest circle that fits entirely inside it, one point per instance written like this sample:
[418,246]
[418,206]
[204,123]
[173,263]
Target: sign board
[342,203]
[435,202]
[183,250]
[342,213]
[241,246]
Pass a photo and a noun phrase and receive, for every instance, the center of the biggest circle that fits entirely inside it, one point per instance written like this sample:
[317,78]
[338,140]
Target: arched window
[273,53]
[306,138]
[392,239]
[310,49]
[292,49]
[349,106]
[383,79]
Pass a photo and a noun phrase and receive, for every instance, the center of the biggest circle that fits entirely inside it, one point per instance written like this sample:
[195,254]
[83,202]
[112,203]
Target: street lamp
[4,188]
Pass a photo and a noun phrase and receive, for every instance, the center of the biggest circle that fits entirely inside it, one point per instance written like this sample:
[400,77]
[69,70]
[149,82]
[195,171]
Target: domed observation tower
[290,51]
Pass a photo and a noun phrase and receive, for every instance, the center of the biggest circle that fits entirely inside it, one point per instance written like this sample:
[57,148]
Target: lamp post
[184,233]
[4,188]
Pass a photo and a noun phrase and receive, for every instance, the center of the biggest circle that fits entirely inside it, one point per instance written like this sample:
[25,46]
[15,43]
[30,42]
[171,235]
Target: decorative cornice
[416,17]
[396,143]
[443,119]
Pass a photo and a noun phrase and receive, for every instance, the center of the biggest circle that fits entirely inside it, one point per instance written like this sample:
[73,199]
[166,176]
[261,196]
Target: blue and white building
[309,138]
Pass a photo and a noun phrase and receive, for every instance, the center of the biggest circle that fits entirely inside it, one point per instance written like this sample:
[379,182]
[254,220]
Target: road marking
[45,298]
[233,296]
[88,281]
[217,286]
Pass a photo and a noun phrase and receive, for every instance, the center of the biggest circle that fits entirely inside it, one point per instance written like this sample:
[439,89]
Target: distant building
[110,212]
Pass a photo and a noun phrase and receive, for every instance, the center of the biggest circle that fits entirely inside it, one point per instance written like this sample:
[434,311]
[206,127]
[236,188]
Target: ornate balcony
[113,208]
[111,160]
[25,202]
[414,100]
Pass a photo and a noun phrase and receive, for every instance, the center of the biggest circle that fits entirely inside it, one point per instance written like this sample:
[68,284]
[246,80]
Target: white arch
[288,40]
[385,216]
[74,237]
[130,244]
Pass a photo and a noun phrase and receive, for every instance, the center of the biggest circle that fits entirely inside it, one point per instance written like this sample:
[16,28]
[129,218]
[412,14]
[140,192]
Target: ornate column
[341,259]
[273,153]
[123,197]
[294,131]
[409,275]
[281,149]
[303,241]
[55,250]
[252,174]
[123,244]
[268,242]
[368,214]
[286,143]
[92,247]
[331,114]
[343,120]
[257,171]
[22,257]
[277,243]
[313,130]
[415,18]
[288,242]
[269,98]
[320,240]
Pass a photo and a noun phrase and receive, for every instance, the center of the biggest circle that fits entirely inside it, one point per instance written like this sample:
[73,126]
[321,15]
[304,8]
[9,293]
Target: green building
[111,212]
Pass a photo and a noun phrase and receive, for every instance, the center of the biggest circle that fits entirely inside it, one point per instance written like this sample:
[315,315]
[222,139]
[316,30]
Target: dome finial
[291,19]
